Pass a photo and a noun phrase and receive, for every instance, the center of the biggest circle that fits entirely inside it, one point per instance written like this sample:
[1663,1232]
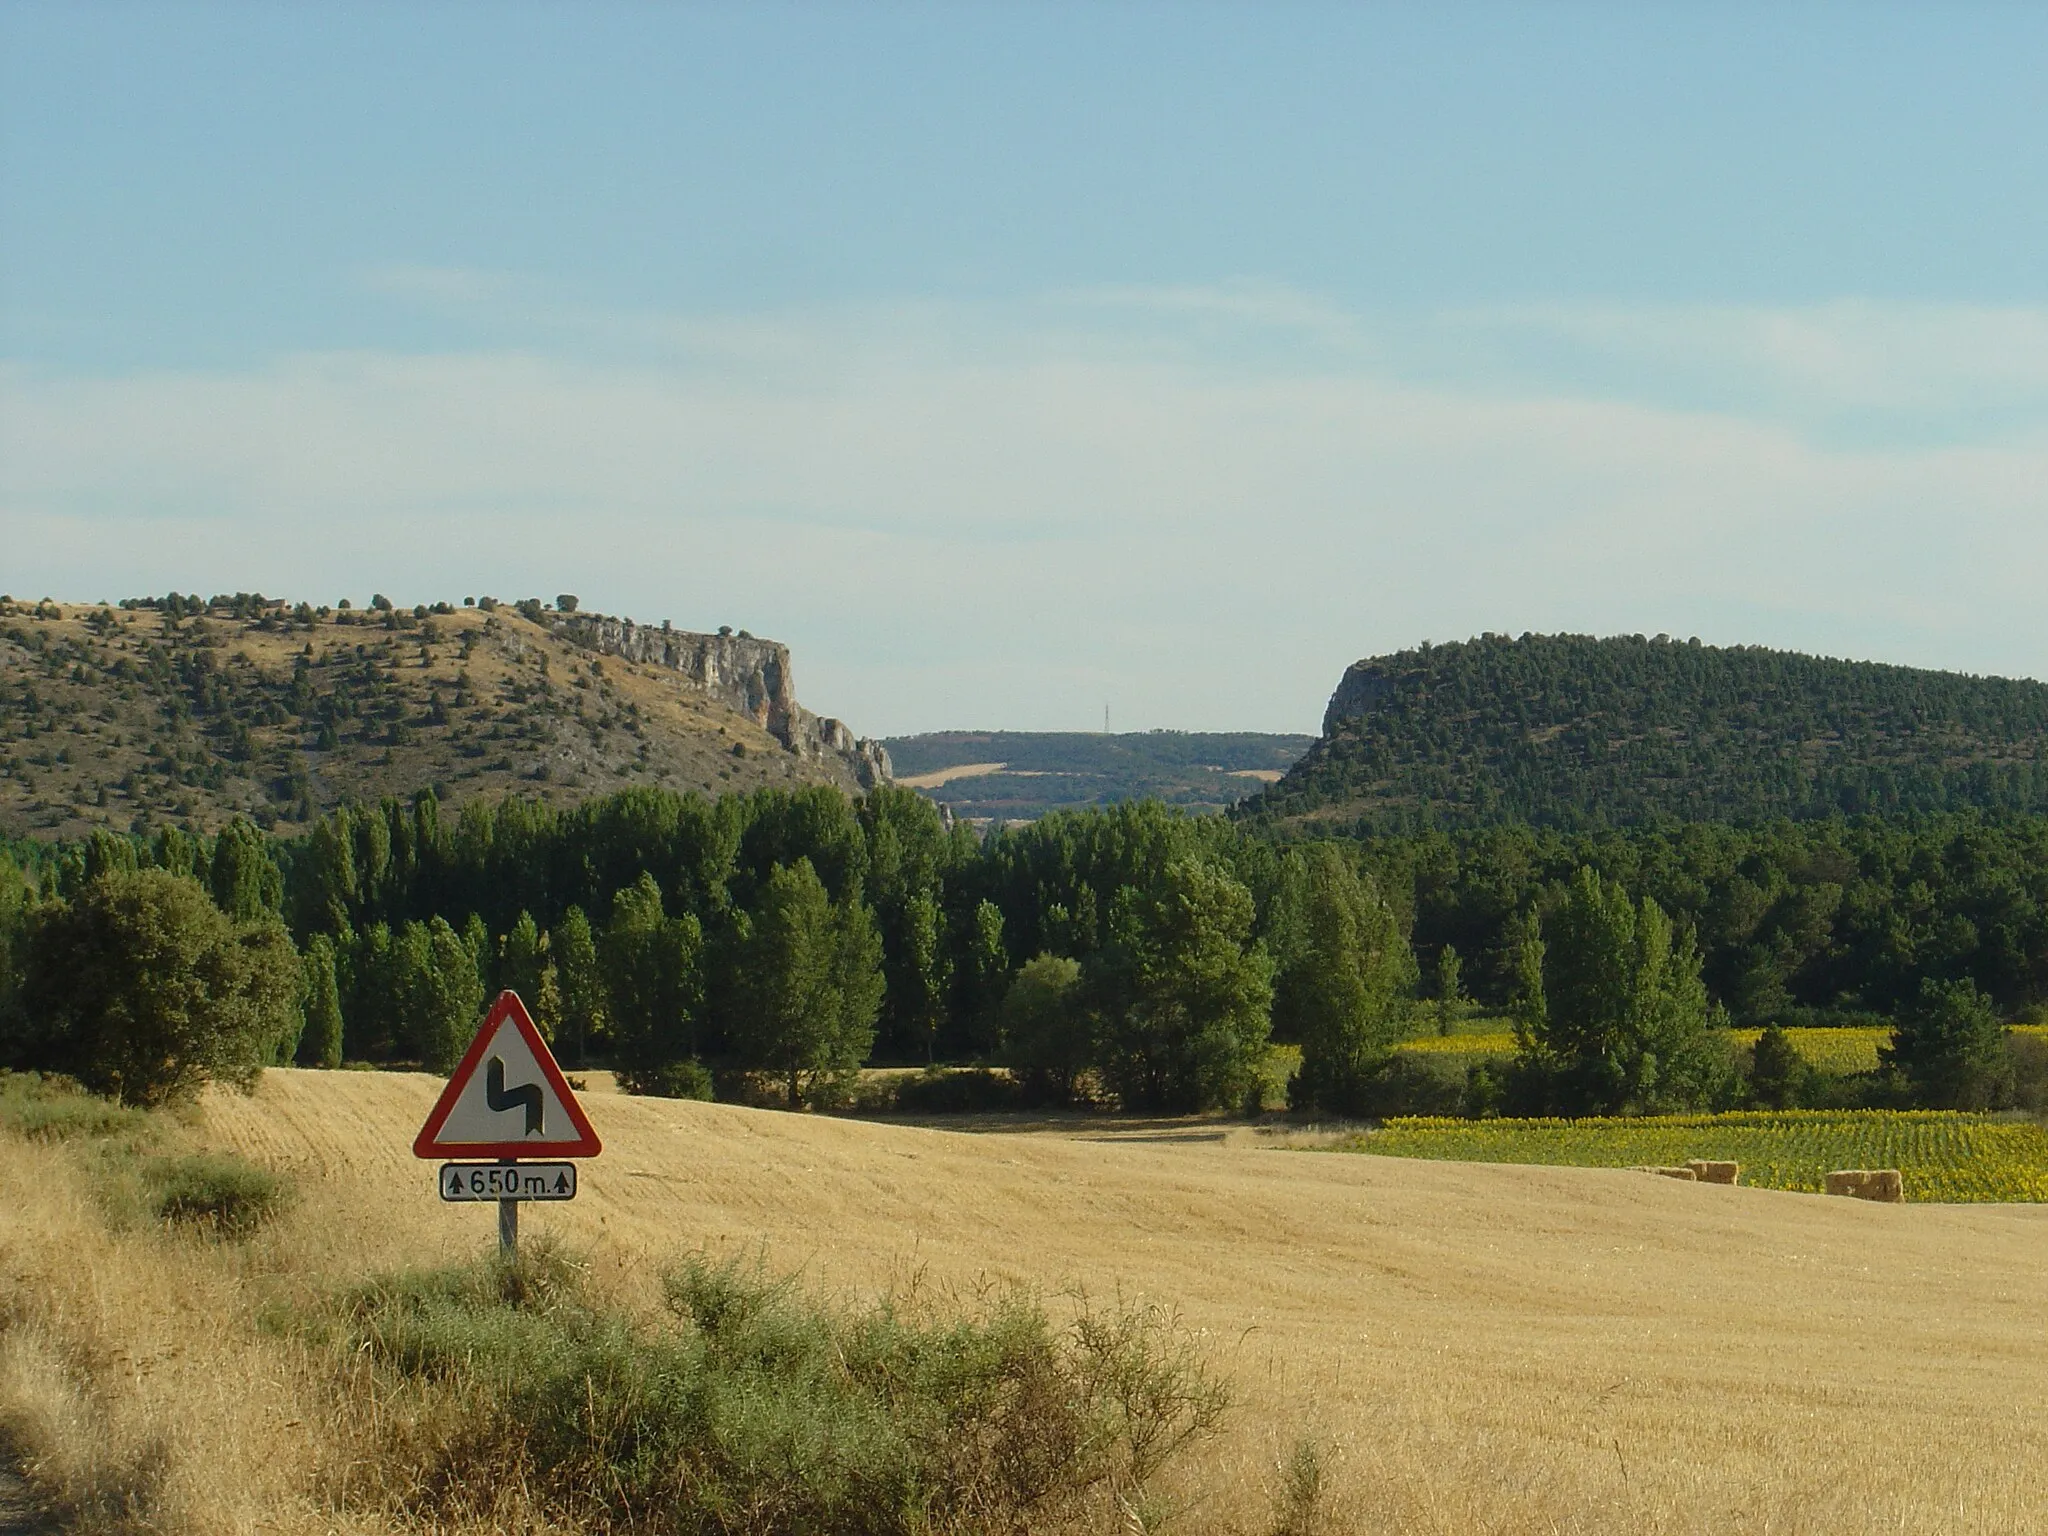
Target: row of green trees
[788,937]
[1612,1013]
[784,936]
[1797,923]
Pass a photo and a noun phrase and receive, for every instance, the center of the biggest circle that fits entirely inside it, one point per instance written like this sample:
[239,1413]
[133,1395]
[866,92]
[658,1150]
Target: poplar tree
[522,955]
[1182,992]
[1612,1007]
[808,985]
[1450,988]
[525,966]
[320,1043]
[1343,986]
[655,979]
[439,995]
[585,1022]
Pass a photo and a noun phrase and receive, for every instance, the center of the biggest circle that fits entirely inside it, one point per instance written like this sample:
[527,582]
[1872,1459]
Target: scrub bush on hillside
[752,1408]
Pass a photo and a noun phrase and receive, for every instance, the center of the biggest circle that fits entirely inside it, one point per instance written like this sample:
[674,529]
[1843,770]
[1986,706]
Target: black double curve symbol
[526,1095]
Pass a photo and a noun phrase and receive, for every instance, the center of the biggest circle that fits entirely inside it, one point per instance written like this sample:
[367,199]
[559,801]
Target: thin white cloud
[1974,367]
[962,516]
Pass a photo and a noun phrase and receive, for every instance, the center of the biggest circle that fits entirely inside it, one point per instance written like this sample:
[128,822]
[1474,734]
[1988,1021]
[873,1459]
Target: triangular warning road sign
[507,1097]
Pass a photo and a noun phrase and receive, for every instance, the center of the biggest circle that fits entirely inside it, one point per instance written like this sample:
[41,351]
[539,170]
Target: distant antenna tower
[1105,717]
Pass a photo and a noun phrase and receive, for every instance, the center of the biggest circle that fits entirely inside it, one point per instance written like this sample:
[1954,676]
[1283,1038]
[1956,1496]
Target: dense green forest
[1836,921]
[769,944]
[783,937]
[1017,775]
[1574,732]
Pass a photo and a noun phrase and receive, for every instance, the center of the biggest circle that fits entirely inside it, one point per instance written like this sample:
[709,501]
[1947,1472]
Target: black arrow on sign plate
[527,1095]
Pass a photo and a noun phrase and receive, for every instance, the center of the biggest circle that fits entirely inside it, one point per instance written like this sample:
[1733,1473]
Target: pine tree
[1778,1074]
[1951,1048]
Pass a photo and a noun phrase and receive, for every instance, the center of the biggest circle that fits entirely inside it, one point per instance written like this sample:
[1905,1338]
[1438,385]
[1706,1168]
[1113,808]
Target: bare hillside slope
[114,717]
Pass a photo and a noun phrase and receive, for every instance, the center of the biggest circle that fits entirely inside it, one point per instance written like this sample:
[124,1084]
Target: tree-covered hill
[1576,732]
[187,711]
[1019,775]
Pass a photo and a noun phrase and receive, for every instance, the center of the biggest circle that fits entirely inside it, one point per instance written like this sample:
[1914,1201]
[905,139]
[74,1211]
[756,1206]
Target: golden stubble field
[1480,1348]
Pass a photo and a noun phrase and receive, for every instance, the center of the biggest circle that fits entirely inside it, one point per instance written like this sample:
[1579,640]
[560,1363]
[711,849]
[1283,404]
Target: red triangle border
[428,1145]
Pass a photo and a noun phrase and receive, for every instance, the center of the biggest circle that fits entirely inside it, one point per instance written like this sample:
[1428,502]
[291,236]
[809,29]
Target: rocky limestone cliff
[741,672]
[1364,684]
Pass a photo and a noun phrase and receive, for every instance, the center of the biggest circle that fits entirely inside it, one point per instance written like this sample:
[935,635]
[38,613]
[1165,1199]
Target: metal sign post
[508,1220]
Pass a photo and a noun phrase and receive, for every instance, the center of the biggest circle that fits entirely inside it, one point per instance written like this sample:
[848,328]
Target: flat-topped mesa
[741,672]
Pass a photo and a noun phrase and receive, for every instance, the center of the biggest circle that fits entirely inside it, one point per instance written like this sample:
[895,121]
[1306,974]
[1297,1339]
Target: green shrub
[1300,1505]
[2030,1073]
[751,1407]
[960,1091]
[686,1079]
[143,989]
[46,1107]
[1045,1032]
[215,1191]
[1396,1084]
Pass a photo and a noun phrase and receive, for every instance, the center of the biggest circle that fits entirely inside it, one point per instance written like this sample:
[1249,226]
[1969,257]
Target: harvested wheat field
[1476,1348]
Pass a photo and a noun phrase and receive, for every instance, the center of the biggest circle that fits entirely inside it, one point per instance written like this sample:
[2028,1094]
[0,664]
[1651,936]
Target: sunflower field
[1946,1156]
[1832,1050]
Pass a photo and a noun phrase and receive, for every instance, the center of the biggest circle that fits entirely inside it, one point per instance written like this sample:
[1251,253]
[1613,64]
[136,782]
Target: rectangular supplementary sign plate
[508,1181]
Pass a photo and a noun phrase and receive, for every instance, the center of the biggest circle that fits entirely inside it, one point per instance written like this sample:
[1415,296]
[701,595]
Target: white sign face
[508,1181]
[508,1099]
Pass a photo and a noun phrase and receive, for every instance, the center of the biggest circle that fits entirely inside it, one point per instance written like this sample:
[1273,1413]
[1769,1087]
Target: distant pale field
[1944,1156]
[1837,1050]
[941,776]
[1479,1348]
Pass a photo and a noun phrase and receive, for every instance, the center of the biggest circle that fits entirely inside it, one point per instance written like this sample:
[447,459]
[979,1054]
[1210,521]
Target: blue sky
[1011,360]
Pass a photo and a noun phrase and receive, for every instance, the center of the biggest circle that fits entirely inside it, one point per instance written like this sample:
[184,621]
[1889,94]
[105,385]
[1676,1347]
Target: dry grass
[1417,1346]
[939,776]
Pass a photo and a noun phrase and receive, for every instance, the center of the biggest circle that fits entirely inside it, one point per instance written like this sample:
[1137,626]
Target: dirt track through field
[1481,1345]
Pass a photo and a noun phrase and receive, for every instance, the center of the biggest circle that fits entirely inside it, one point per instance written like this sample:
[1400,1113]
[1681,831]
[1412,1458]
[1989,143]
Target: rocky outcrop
[1365,683]
[745,674]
